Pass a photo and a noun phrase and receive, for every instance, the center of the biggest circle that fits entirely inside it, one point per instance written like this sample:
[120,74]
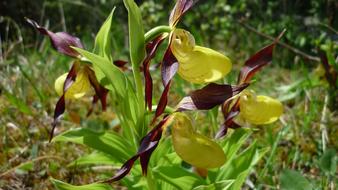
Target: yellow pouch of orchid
[197,64]
[259,110]
[195,149]
[78,89]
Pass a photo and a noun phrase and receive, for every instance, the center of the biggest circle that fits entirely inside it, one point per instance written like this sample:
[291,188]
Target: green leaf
[224,185]
[136,33]
[238,164]
[160,155]
[103,47]
[177,176]
[109,142]
[25,168]
[233,143]
[292,180]
[238,167]
[116,77]
[328,162]
[94,186]
[102,44]
[95,158]
[18,103]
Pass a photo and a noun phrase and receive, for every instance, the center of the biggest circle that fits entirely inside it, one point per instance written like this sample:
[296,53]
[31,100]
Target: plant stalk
[154,32]
[150,181]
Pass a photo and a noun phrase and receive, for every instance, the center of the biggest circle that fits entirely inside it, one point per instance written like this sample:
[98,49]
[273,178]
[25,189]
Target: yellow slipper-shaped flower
[195,149]
[259,110]
[78,89]
[197,64]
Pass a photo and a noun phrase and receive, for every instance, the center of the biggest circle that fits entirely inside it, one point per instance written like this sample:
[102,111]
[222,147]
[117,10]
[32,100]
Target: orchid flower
[80,79]
[78,89]
[194,148]
[197,64]
[259,109]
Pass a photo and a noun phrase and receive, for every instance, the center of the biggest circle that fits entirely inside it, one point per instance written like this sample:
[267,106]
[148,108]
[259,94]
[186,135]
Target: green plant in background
[195,161]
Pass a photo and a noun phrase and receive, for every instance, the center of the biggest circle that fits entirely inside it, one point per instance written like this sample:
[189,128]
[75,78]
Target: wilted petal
[195,149]
[259,109]
[78,89]
[198,64]
[61,41]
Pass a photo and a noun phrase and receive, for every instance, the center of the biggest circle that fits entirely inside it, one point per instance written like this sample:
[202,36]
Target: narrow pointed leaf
[110,143]
[209,96]
[61,41]
[136,33]
[178,177]
[102,44]
[65,186]
[115,76]
[103,47]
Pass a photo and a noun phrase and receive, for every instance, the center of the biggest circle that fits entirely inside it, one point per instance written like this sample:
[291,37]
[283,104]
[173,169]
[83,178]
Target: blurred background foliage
[238,28]
[310,24]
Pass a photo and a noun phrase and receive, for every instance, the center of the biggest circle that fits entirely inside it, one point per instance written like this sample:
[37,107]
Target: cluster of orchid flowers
[193,63]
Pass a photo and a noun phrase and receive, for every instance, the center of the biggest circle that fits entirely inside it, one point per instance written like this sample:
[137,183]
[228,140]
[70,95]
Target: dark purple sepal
[147,147]
[151,50]
[61,104]
[169,68]
[257,61]
[100,92]
[61,41]
[209,96]
[178,11]
[228,123]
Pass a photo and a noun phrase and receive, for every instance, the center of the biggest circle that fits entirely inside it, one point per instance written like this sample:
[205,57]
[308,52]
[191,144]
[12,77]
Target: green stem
[154,32]
[140,97]
[150,181]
